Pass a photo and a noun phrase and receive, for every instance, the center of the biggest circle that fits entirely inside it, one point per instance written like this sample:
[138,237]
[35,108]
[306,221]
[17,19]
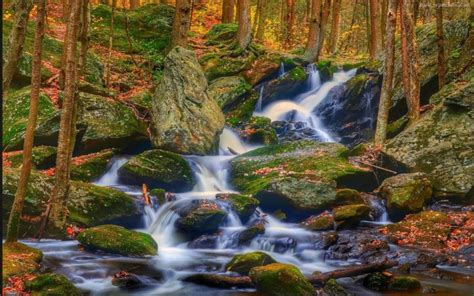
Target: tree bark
[387,84]
[261,20]
[83,37]
[17,208]
[244,35]
[228,11]
[335,25]
[16,40]
[134,4]
[440,41]
[107,70]
[311,50]
[416,9]
[60,190]
[181,24]
[323,25]
[375,28]
[290,23]
[383,21]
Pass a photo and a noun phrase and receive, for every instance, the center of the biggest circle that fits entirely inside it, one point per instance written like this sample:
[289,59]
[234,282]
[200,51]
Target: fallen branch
[146,196]
[220,281]
[320,279]
[375,166]
[232,151]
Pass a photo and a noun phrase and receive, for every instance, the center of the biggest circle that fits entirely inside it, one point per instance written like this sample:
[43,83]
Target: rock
[108,124]
[184,119]
[225,64]
[205,218]
[285,87]
[219,281]
[324,221]
[227,90]
[326,70]
[350,215]
[12,266]
[376,281]
[251,232]
[332,288]
[204,242]
[346,196]
[264,67]
[43,157]
[406,193]
[222,32]
[242,112]
[160,195]
[118,240]
[243,263]
[158,169]
[90,167]
[243,205]
[51,284]
[297,177]
[404,283]
[280,279]
[259,130]
[126,280]
[363,246]
[88,204]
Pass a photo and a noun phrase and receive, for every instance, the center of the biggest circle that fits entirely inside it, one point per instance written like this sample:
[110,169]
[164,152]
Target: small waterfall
[258,107]
[281,71]
[111,178]
[314,80]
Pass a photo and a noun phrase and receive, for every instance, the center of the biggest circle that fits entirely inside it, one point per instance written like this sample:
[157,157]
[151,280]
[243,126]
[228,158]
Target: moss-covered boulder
[406,193]
[280,280]
[243,205]
[158,169]
[251,232]
[159,194]
[242,112]
[259,130]
[376,281]
[243,263]
[326,69]
[224,64]
[346,216]
[51,284]
[299,178]
[324,221]
[221,32]
[332,288]
[404,283]
[265,66]
[118,240]
[347,196]
[227,90]
[19,259]
[203,218]
[43,157]
[88,204]
[108,124]
[91,166]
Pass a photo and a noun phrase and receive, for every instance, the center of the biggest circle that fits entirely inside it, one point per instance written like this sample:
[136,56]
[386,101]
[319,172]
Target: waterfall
[281,71]
[111,178]
[258,107]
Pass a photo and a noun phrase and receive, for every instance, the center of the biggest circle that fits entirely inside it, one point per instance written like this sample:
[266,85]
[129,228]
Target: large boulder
[43,157]
[243,263]
[349,215]
[184,119]
[406,193]
[89,167]
[299,178]
[259,130]
[51,284]
[279,279]
[225,63]
[88,204]
[264,67]
[12,266]
[118,240]
[158,169]
[203,218]
[243,205]
[226,90]
[323,221]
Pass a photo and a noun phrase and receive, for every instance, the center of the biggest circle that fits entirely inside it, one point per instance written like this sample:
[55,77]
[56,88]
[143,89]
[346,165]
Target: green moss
[321,222]
[376,281]
[43,156]
[348,196]
[160,195]
[332,288]
[259,130]
[351,212]
[204,218]
[251,232]
[243,205]
[404,283]
[243,263]
[51,284]
[396,127]
[242,113]
[118,240]
[222,32]
[223,64]
[297,74]
[226,90]
[92,167]
[280,280]
[19,259]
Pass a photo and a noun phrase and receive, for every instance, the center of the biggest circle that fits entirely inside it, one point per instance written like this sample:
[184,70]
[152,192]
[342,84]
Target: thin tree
[244,35]
[311,50]
[107,70]
[83,36]
[228,11]
[181,23]
[416,9]
[323,25]
[17,208]
[62,70]
[440,42]
[290,23]
[261,20]
[375,39]
[387,84]
[16,40]
[335,26]
[383,20]
[134,4]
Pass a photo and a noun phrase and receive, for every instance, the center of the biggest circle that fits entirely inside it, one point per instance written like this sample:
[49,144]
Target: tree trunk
[181,23]
[283,28]
[416,9]
[440,41]
[256,17]
[228,11]
[134,4]
[323,25]
[383,21]
[108,64]
[261,20]
[336,10]
[375,29]
[83,37]
[387,84]
[16,41]
[290,23]
[311,50]
[410,63]
[243,32]
[60,190]
[17,208]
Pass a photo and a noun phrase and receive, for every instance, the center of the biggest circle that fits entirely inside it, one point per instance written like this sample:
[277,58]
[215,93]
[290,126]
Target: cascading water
[258,107]
[281,71]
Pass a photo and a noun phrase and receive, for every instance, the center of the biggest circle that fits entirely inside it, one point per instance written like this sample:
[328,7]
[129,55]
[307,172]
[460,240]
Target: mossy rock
[243,205]
[88,204]
[241,113]
[51,284]
[19,259]
[160,195]
[376,281]
[264,67]
[404,283]
[347,196]
[222,32]
[326,70]
[349,215]
[324,221]
[279,279]
[142,99]
[251,232]
[43,157]
[158,169]
[118,240]
[223,64]
[226,90]
[396,127]
[332,288]
[243,263]
[406,193]
[259,130]
[89,167]
[204,218]
[297,74]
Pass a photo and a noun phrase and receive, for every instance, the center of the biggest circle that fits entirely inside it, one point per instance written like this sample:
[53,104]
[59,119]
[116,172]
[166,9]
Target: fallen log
[320,279]
[220,281]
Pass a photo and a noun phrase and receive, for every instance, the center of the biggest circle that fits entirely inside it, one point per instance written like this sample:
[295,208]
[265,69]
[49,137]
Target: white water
[281,71]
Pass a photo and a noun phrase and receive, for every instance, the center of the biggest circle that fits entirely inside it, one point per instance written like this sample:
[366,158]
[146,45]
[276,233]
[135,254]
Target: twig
[375,166]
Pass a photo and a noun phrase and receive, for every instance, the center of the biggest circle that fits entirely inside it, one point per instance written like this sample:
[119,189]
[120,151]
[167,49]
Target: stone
[332,288]
[223,64]
[184,118]
[12,266]
[404,283]
[204,218]
[43,157]
[126,280]
[118,240]
[324,221]
[243,205]
[251,232]
[350,215]
[51,284]
[222,32]
[90,167]
[259,130]
[347,196]
[243,263]
[376,281]
[263,67]
[227,90]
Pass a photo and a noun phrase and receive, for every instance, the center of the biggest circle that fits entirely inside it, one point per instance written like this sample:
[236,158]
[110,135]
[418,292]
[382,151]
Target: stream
[161,274]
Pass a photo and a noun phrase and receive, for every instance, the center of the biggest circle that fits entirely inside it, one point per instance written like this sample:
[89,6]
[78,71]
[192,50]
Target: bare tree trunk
[134,4]
[66,9]
[16,41]
[17,208]
[244,35]
[311,50]
[383,20]
[181,23]
[261,20]
[335,25]
[308,11]
[283,27]
[323,25]
[290,23]
[256,17]
[416,9]
[83,37]
[387,84]
[108,64]
[440,36]
[375,28]
[228,11]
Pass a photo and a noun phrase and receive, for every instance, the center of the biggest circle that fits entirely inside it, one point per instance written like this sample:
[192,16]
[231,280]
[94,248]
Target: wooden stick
[220,281]
[375,166]
[146,197]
